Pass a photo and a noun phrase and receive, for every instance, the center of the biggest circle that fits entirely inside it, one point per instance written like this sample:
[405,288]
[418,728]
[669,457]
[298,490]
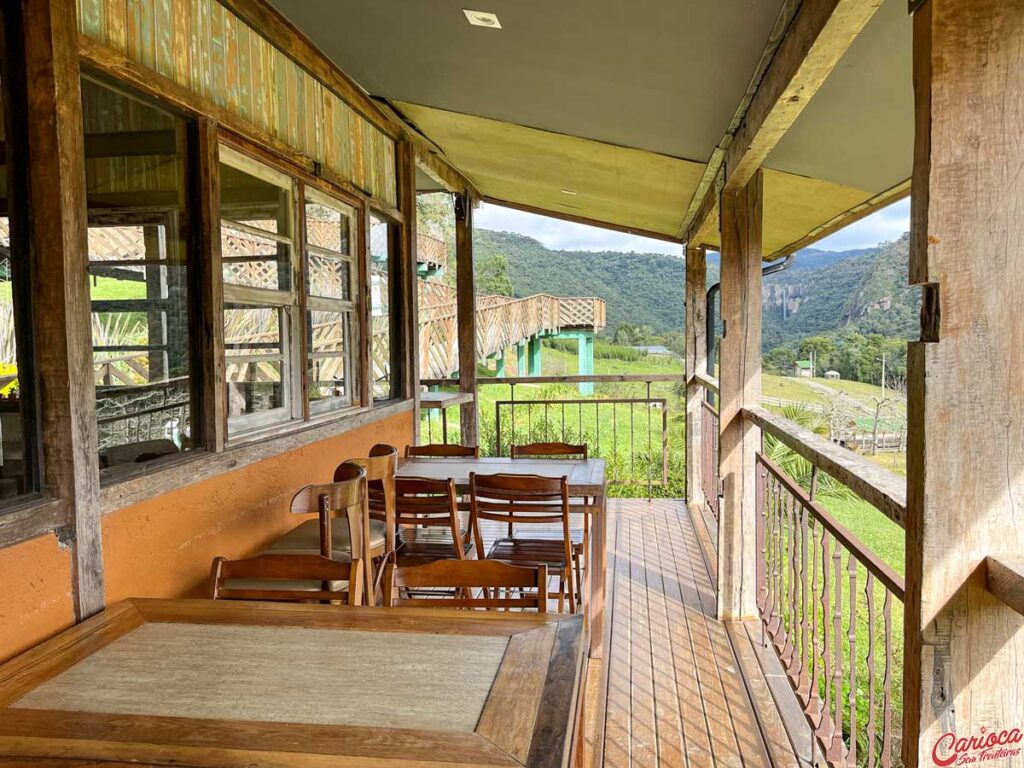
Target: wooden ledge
[878,486]
[204,465]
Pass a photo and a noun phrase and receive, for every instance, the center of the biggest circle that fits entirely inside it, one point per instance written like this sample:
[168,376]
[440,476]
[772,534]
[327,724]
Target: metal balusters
[869,600]
[836,751]
[887,684]
[851,637]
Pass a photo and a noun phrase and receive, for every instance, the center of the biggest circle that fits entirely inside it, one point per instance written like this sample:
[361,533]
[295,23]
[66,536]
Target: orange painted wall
[163,546]
[35,593]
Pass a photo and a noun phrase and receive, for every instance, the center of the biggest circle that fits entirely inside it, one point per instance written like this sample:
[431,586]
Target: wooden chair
[462,577]
[580,536]
[293,578]
[429,525]
[346,497]
[439,450]
[381,466]
[525,500]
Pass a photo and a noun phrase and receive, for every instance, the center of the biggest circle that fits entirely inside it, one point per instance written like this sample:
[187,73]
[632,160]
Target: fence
[830,606]
[634,422]
[710,481]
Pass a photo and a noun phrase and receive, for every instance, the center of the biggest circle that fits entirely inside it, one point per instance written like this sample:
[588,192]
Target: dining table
[227,684]
[586,480]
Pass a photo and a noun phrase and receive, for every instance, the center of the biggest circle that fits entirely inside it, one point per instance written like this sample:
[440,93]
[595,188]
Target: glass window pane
[255,202]
[254,261]
[15,475]
[255,365]
[381,349]
[136,185]
[329,277]
[329,375]
[328,227]
[250,206]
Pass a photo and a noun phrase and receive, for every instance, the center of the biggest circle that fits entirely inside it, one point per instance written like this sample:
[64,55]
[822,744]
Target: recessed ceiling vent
[482,19]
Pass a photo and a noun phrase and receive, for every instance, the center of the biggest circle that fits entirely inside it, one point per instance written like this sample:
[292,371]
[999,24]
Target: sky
[886,224]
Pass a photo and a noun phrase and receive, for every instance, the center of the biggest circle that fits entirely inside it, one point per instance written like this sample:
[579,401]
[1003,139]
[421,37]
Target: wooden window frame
[354,369]
[286,302]
[396,308]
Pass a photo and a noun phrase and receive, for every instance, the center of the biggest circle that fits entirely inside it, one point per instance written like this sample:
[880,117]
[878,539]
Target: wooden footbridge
[502,322]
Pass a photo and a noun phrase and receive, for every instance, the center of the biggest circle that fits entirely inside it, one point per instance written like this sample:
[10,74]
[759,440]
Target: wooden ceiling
[622,114]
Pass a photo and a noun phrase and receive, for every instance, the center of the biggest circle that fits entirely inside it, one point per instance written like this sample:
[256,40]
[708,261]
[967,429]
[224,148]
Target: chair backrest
[444,450]
[286,568]
[519,500]
[550,451]
[426,501]
[346,496]
[381,466]
[463,576]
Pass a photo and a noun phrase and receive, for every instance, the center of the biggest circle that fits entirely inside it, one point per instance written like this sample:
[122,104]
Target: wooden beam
[965,458]
[1005,580]
[820,33]
[740,388]
[582,220]
[465,291]
[210,339]
[406,179]
[696,363]
[59,254]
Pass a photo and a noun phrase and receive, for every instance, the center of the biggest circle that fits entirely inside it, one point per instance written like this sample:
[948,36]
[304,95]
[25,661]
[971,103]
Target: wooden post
[740,385]
[696,362]
[466,314]
[210,339]
[965,457]
[410,292]
[59,252]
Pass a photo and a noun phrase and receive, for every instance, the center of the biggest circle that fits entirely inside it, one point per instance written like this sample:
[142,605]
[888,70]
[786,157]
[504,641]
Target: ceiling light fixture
[482,18]
[569,192]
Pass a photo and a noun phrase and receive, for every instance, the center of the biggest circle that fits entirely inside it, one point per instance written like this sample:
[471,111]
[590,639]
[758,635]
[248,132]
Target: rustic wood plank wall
[208,49]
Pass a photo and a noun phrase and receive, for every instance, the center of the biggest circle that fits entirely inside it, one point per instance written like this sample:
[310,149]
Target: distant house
[655,349]
[832,375]
[803,369]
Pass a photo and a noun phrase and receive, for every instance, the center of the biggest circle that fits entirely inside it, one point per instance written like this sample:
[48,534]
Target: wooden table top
[585,477]
[231,684]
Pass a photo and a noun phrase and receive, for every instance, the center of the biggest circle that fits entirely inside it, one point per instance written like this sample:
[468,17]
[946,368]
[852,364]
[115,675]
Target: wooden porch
[677,686]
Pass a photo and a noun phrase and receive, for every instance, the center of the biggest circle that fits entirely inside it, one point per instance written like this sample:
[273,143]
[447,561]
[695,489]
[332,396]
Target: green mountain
[828,293]
[863,292]
[640,288]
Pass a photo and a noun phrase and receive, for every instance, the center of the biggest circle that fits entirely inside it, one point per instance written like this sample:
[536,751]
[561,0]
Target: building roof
[620,112]
[803,364]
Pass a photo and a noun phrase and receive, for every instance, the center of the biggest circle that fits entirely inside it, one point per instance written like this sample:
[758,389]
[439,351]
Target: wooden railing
[710,481]
[840,645]
[629,426]
[501,323]
[883,489]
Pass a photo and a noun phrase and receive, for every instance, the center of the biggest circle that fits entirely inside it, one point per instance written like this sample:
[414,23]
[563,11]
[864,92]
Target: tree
[492,276]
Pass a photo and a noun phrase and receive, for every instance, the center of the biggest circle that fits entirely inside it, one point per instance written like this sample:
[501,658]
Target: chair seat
[291,585]
[416,545]
[550,552]
[305,539]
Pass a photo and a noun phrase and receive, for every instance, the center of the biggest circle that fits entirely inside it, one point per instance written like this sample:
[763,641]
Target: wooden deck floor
[672,686]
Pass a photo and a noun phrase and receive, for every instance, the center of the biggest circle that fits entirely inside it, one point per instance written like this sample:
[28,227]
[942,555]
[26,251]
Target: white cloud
[885,224]
[562,235]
